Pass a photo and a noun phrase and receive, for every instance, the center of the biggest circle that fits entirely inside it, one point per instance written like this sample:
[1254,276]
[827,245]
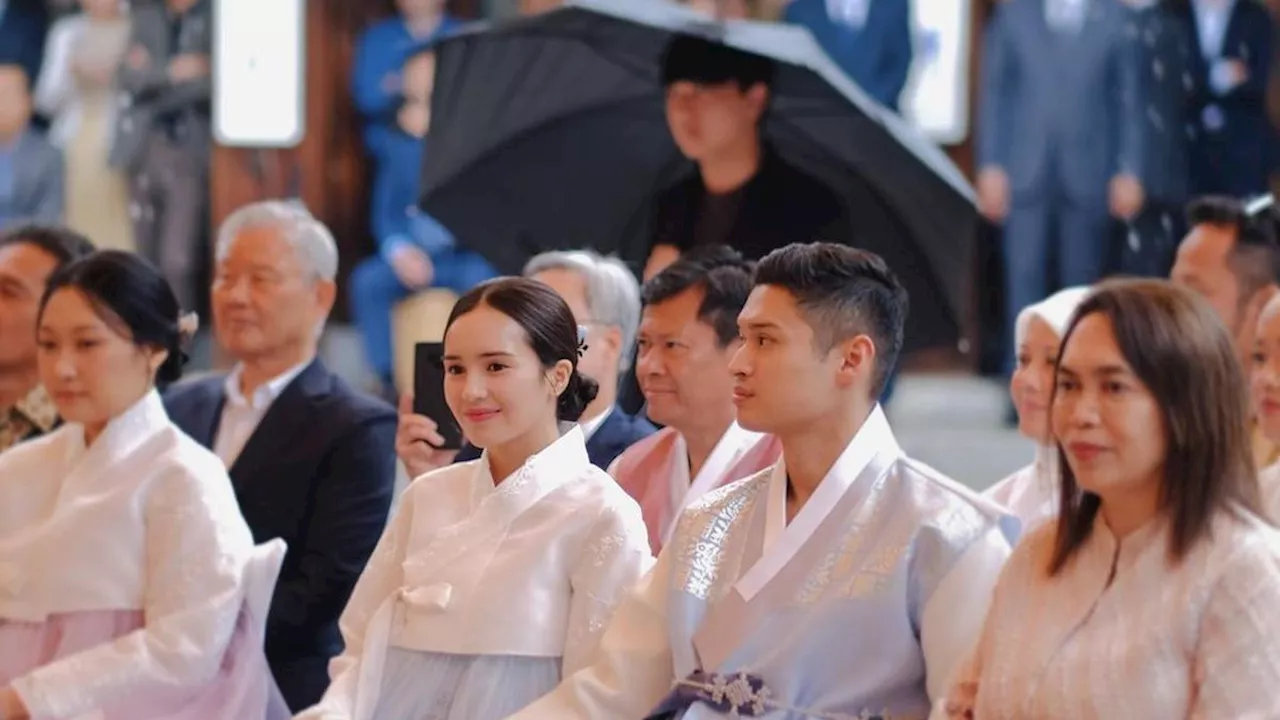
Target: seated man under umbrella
[741,193]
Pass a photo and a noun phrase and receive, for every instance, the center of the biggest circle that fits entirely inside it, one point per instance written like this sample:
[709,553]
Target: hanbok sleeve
[632,670]
[382,576]
[954,612]
[615,556]
[1237,662]
[196,548]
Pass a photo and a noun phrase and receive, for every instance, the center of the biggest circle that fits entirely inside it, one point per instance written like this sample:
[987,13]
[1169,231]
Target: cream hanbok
[481,597]
[1122,632]
[129,584]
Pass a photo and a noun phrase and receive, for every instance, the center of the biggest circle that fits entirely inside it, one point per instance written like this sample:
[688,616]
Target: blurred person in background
[28,257]
[77,90]
[31,170]
[1264,395]
[1230,258]
[23,24]
[1169,73]
[869,39]
[741,192]
[378,83]
[162,137]
[311,459]
[1059,141]
[415,251]
[1231,152]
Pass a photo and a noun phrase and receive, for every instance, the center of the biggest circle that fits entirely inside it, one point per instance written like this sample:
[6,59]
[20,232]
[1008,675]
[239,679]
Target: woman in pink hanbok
[1156,593]
[1032,492]
[130,588]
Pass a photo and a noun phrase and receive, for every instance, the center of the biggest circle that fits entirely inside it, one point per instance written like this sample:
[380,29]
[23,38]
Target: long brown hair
[1180,351]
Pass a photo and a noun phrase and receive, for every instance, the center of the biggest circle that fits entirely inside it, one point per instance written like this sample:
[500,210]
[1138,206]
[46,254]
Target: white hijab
[1031,493]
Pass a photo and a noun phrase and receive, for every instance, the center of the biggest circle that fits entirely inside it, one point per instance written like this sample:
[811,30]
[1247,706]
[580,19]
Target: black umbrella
[549,132]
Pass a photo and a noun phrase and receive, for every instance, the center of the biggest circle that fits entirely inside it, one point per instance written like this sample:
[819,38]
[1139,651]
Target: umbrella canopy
[550,132]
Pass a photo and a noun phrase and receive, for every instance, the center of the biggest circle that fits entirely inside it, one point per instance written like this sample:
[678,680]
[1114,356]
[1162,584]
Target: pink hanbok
[130,588]
[655,471]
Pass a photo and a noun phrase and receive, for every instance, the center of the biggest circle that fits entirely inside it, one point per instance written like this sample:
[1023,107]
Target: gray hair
[613,294]
[310,239]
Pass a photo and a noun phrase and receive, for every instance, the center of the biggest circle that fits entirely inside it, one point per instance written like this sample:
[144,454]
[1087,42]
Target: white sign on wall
[259,73]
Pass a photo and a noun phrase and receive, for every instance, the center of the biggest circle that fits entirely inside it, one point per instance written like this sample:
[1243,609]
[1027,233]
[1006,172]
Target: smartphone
[428,392]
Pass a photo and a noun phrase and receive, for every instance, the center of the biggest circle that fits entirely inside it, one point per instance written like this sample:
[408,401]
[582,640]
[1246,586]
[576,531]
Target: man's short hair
[1255,256]
[842,292]
[61,243]
[613,294]
[723,276]
[704,62]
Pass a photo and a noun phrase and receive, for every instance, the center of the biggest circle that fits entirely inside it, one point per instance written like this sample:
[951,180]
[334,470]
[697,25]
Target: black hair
[842,292]
[724,277]
[549,325]
[62,244]
[1255,256]
[126,290]
[704,62]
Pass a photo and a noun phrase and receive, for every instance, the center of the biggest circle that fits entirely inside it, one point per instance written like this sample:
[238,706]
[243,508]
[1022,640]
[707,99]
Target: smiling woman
[1159,571]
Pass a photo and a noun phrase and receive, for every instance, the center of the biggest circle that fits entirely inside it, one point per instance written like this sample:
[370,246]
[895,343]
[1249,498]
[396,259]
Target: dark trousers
[169,203]
[1042,235]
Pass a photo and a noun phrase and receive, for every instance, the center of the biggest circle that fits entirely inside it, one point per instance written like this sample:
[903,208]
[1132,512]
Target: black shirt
[778,206]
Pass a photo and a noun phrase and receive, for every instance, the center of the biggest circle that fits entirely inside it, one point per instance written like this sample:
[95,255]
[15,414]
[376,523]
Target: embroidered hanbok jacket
[123,578]
[479,598]
[863,605]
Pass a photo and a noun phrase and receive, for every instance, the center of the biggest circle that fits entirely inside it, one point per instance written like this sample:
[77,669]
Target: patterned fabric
[1122,632]
[34,415]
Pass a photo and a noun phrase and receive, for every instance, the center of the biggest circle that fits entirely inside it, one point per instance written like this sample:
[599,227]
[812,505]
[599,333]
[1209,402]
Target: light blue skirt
[436,686]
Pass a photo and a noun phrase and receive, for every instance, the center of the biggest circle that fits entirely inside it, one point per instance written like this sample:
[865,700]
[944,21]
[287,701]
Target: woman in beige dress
[77,90]
[1156,594]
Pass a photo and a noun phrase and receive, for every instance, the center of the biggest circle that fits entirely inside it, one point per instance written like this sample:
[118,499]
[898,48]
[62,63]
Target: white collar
[545,470]
[732,444]
[590,427]
[783,541]
[264,394]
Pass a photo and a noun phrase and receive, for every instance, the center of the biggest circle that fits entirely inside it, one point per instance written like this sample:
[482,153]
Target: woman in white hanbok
[125,566]
[496,577]
[1265,393]
[1156,593]
[1032,492]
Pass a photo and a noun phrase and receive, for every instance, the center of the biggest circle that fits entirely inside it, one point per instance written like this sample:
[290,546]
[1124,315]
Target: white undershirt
[241,415]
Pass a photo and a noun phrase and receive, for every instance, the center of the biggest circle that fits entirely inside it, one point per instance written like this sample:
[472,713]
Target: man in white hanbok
[688,334]
[848,580]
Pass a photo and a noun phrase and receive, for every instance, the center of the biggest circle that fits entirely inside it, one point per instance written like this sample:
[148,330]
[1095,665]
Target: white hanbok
[125,569]
[1032,493]
[863,605]
[480,598]
[1269,485]
[1122,632]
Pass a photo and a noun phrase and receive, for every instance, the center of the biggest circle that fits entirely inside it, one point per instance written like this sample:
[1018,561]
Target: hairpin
[1259,205]
[188,324]
[582,340]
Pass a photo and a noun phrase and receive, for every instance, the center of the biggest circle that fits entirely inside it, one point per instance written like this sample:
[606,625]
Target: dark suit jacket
[618,432]
[1061,112]
[319,471]
[39,182]
[1170,93]
[1235,159]
[877,56]
[22,30]
[150,91]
